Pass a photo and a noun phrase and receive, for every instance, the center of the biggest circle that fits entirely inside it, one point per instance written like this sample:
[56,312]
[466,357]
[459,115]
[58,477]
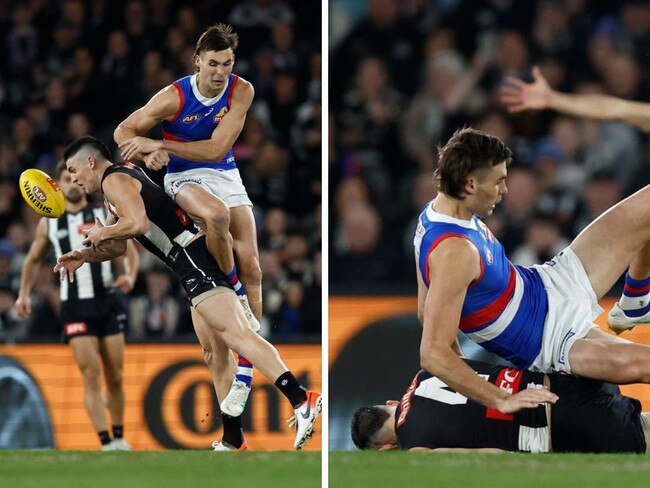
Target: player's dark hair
[468,150]
[87,141]
[366,422]
[217,38]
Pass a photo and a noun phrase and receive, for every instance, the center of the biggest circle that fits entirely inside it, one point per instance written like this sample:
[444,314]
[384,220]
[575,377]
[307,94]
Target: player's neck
[205,91]
[451,207]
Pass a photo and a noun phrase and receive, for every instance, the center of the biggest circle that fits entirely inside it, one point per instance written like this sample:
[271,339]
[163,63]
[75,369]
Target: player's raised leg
[244,233]
[633,308]
[85,351]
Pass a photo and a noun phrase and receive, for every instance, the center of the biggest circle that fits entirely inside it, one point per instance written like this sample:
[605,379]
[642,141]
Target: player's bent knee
[218,218]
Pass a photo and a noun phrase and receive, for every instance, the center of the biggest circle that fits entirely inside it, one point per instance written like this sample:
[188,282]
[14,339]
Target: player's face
[81,174]
[490,189]
[215,68]
[72,192]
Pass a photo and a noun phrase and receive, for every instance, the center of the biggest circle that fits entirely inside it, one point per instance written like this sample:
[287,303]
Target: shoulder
[243,91]
[455,256]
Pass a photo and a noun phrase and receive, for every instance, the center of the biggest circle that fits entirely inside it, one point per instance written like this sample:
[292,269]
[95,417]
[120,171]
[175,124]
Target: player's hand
[528,398]
[23,306]
[156,160]
[94,236]
[518,95]
[124,283]
[138,146]
[67,264]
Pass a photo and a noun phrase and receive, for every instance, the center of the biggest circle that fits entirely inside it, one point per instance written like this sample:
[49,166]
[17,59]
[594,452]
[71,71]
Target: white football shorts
[225,184]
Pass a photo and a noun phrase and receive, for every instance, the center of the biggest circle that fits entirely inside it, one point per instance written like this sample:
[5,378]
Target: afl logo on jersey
[40,194]
[191,118]
[488,255]
[222,112]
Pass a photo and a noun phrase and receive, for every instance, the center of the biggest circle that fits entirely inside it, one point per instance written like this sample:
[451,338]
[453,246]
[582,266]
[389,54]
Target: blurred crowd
[69,68]
[406,74]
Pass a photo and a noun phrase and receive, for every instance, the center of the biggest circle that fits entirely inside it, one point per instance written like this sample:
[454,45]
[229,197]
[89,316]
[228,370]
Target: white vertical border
[325,238]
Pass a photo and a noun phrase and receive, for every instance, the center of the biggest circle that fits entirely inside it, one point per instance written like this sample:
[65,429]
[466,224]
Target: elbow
[141,227]
[432,358]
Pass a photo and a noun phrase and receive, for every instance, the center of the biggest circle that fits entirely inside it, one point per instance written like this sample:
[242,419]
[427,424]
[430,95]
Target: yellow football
[42,193]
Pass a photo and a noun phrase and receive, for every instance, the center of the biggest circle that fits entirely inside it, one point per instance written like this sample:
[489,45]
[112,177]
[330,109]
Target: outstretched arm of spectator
[35,255]
[518,96]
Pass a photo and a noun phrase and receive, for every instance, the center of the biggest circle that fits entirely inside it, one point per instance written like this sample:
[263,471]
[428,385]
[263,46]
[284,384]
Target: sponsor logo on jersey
[75,328]
[40,194]
[217,118]
[130,165]
[209,112]
[508,380]
[191,118]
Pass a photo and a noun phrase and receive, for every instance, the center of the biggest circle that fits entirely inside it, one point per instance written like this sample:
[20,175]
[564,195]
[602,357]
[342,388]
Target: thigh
[608,245]
[85,351]
[111,349]
[208,338]
[223,312]
[198,202]
[244,232]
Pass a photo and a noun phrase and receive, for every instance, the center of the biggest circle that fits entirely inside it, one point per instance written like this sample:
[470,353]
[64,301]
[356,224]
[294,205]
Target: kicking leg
[85,350]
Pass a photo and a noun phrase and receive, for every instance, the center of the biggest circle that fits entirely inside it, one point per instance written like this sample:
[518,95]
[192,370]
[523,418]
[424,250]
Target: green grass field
[163,469]
[397,469]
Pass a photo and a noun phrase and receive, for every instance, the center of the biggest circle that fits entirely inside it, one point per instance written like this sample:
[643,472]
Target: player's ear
[392,403]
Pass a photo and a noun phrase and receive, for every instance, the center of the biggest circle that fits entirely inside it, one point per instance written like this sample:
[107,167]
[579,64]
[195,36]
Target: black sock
[118,431]
[232,431]
[104,437]
[289,386]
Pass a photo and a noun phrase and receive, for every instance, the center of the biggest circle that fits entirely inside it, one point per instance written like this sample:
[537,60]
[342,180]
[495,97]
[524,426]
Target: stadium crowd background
[70,68]
[406,74]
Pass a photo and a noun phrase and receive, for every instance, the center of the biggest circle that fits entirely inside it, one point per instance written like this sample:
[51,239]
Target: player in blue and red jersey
[201,117]
[539,318]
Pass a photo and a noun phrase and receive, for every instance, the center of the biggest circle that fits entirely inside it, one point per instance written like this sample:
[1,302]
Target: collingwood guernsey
[66,234]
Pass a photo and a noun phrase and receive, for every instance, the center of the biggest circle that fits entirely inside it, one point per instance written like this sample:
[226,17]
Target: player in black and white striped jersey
[92,313]
[140,209]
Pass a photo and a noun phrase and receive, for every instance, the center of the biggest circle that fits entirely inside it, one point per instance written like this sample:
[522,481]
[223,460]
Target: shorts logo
[40,194]
[191,118]
[75,328]
[563,344]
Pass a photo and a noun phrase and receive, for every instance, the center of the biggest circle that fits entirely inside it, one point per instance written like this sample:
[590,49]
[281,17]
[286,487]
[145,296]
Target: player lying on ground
[538,318]
[141,210]
[590,416]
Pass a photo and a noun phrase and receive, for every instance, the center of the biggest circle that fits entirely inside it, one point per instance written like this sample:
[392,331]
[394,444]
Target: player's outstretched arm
[35,255]
[226,133]
[453,265]
[518,96]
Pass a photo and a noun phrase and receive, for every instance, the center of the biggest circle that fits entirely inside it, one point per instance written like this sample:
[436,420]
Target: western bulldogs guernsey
[66,234]
[505,308]
[196,120]
[432,415]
